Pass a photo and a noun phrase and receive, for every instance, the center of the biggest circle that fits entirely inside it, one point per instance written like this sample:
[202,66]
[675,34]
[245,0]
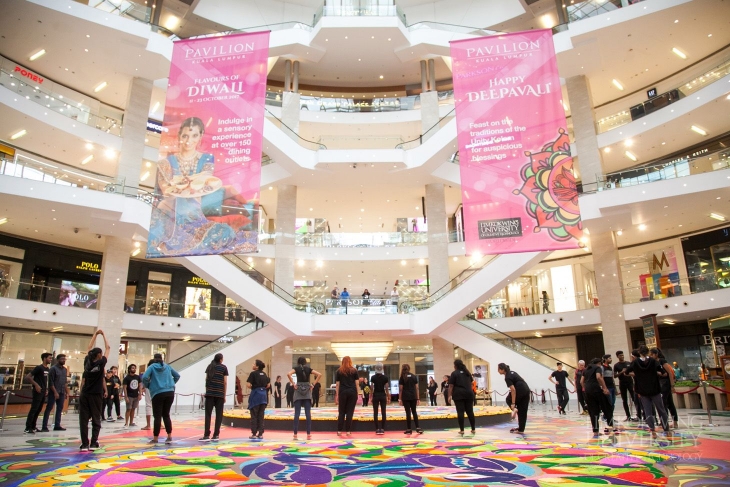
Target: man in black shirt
[93,392]
[381,393]
[558,377]
[445,390]
[625,383]
[38,377]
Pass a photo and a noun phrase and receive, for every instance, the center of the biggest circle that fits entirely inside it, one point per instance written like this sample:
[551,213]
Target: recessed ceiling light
[270,188]
[18,134]
[709,35]
[381,76]
[100,87]
[403,262]
[268,261]
[700,131]
[679,53]
[110,153]
[628,143]
[630,155]
[607,150]
[717,216]
[87,159]
[89,146]
[37,55]
[619,233]
[617,84]
[676,21]
[421,261]
[642,227]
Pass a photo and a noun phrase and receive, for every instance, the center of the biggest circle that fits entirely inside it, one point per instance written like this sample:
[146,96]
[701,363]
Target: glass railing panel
[413,143]
[460,29]
[360,8]
[704,277]
[378,239]
[591,8]
[123,8]
[307,144]
[359,142]
[349,104]
[373,305]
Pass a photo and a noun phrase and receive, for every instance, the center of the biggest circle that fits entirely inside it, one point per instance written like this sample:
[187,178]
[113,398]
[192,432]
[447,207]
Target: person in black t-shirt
[666,381]
[597,395]
[93,393]
[381,393]
[558,377]
[445,390]
[408,397]
[132,385]
[259,383]
[518,396]
[38,377]
[625,384]
[461,392]
[646,372]
[277,392]
[346,392]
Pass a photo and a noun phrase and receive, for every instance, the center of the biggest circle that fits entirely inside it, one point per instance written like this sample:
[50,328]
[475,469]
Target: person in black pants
[160,379]
[346,392]
[462,394]
[93,392]
[38,377]
[316,391]
[381,392]
[365,389]
[518,397]
[558,377]
[598,396]
[277,392]
[646,372]
[216,386]
[408,397]
[445,390]
[577,376]
[289,393]
[625,384]
[432,388]
[666,381]
[259,383]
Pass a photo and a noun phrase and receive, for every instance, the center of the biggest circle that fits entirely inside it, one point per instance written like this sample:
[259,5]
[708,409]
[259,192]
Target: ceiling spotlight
[619,233]
[607,150]
[110,153]
[301,263]
[617,84]
[628,143]
[89,146]
[421,261]
[268,261]
[403,262]
[679,53]
[642,227]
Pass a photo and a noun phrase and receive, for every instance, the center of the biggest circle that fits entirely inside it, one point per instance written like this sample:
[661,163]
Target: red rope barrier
[721,390]
[691,390]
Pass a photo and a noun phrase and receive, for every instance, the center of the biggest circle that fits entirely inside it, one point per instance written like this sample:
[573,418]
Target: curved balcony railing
[412,144]
[359,8]
[351,104]
[307,144]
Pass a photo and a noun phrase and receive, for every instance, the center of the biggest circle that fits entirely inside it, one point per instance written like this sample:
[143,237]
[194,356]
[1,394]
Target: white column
[424,77]
[432,75]
[295,80]
[112,290]
[616,335]
[286,212]
[290,110]
[134,131]
[589,160]
[438,237]
[443,358]
[429,113]
[281,362]
[287,75]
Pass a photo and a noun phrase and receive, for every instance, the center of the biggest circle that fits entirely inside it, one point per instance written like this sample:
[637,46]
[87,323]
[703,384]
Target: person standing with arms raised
[518,396]
[303,393]
[408,397]
[381,392]
[38,378]
[58,392]
[160,379]
[460,390]
[346,392]
[558,377]
[216,386]
[93,392]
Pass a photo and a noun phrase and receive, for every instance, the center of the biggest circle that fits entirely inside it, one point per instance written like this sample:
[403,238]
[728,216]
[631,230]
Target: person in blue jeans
[160,379]
[58,392]
[303,393]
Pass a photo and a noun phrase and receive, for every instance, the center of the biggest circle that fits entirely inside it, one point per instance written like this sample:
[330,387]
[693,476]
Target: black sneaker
[419,431]
[205,438]
[28,432]
[215,438]
[408,432]
[84,447]
[45,430]
[59,428]
[94,445]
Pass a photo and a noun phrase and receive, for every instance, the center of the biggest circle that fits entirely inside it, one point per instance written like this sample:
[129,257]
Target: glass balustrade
[460,29]
[122,8]
[413,143]
[378,239]
[48,171]
[359,8]
[686,88]
[661,170]
[307,144]
[351,104]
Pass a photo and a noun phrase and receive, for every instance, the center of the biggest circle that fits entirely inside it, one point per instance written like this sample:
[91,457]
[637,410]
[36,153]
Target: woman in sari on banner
[189,218]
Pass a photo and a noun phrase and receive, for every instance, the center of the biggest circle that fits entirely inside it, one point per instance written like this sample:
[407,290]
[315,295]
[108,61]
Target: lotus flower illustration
[550,189]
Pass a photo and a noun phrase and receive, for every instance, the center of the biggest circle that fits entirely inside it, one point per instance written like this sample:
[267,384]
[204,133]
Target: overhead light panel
[110,153]
[136,252]
[717,216]
[679,53]
[698,130]
[361,349]
[100,87]
[18,134]
[630,155]
[157,105]
[87,159]
[37,55]
[3,221]
[617,84]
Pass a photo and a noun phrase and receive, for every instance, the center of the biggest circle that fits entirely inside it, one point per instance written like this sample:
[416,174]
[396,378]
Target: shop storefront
[708,260]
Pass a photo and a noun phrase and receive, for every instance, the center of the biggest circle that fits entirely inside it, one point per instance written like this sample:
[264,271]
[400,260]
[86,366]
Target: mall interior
[361,190]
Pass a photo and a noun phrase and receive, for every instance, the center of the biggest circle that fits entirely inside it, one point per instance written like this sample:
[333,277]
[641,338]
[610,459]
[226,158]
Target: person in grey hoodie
[160,379]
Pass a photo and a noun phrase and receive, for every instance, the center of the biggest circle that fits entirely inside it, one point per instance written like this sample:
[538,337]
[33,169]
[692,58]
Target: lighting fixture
[301,263]
[110,153]
[538,334]
[137,244]
[617,84]
[381,76]
[642,227]
[620,232]
[157,105]
[3,221]
[145,176]
[630,155]
[607,150]
[100,87]
[89,146]
[698,130]
[268,261]
[628,143]
[87,159]
[421,261]
[171,22]
[37,55]
[320,263]
[403,262]
[361,349]
[136,252]
[679,53]
[18,134]
[186,339]
[250,259]
[717,216]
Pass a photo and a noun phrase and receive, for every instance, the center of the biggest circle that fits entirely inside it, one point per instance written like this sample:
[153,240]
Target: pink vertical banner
[518,188]
[209,169]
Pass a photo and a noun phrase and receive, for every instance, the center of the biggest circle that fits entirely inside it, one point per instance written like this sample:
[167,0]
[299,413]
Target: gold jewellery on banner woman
[187,164]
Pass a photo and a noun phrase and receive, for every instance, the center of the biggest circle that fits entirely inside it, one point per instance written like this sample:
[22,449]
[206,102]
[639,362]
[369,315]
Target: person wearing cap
[381,392]
[93,392]
[160,379]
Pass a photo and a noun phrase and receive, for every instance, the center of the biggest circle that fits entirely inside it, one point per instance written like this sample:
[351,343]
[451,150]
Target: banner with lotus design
[517,182]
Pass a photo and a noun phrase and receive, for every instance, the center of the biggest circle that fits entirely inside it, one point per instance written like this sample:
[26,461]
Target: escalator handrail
[523,343]
[420,137]
[321,145]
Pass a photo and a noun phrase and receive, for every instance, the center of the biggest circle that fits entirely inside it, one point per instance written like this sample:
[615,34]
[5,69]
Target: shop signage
[123,347]
[29,74]
[719,340]
[154,126]
[519,192]
[89,267]
[651,338]
[198,281]
[225,340]
[651,93]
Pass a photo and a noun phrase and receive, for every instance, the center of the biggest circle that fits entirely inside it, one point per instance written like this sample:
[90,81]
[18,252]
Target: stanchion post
[550,396]
[193,410]
[176,402]
[707,404]
[5,408]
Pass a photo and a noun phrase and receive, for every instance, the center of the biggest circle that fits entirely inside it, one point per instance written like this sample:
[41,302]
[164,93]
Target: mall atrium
[360,190]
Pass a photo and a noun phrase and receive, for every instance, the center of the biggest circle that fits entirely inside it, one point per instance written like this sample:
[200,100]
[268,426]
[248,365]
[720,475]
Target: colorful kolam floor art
[555,452]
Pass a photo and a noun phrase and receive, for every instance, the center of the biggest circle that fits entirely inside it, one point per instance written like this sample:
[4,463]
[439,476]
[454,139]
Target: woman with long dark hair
[346,392]
[259,383]
[461,393]
[216,386]
[666,382]
[160,379]
[277,392]
[303,393]
[432,388]
[408,397]
[518,396]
